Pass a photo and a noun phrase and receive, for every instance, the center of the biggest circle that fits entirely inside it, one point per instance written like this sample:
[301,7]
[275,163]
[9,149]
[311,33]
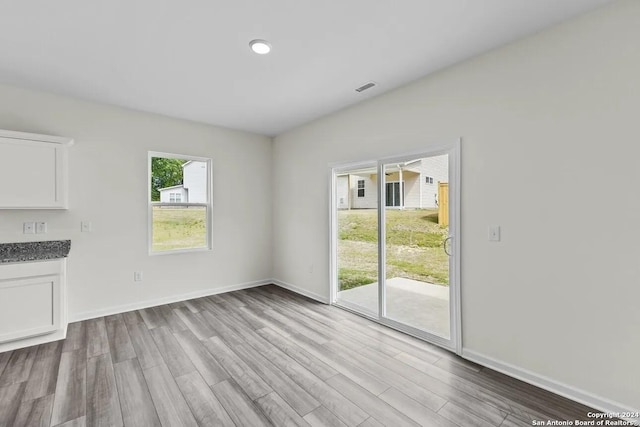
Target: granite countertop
[34,251]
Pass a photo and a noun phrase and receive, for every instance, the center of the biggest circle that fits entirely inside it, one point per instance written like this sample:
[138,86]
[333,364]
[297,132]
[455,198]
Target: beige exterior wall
[438,169]
[418,192]
[370,199]
[411,187]
[342,192]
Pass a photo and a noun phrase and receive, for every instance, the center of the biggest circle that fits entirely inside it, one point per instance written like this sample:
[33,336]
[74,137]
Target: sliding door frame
[452,149]
[334,171]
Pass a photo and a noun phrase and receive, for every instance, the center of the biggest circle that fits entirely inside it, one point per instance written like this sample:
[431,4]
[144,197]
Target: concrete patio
[418,304]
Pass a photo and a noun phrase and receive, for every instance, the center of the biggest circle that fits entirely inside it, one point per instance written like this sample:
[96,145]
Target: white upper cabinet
[33,171]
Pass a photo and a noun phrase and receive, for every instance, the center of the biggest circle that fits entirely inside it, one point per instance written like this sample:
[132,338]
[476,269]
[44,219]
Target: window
[179,203]
[429,179]
[361,188]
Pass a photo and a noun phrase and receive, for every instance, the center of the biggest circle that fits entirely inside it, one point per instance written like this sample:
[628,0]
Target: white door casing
[452,149]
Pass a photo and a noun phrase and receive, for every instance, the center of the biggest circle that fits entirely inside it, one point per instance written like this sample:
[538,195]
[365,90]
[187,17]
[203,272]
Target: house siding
[438,168]
[411,189]
[411,195]
[418,194]
[342,192]
[195,181]
[370,199]
[165,194]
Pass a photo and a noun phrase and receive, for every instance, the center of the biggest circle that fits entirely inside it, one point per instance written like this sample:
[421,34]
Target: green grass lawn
[414,242]
[414,246]
[179,228]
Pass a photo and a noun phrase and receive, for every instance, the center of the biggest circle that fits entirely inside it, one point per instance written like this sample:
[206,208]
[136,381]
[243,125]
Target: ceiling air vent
[365,87]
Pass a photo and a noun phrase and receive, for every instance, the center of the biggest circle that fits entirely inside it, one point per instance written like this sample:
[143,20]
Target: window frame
[208,205]
[363,188]
[175,196]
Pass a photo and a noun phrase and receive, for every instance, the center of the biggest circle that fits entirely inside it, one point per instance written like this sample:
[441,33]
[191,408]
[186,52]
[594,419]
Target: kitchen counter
[34,251]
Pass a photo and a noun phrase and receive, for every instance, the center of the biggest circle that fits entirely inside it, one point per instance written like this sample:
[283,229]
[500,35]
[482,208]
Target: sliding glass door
[394,194]
[357,238]
[393,243]
[416,280]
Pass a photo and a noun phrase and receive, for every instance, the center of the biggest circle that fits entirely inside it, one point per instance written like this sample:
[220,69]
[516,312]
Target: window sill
[179,251]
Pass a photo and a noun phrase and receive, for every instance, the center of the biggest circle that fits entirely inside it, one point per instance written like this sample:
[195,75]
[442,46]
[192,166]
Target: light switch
[494,233]
[41,227]
[29,228]
[85,226]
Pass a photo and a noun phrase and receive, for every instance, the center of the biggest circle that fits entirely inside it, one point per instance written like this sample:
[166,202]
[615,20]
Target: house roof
[169,188]
[393,167]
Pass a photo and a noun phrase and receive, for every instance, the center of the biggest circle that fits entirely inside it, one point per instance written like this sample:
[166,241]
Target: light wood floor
[257,357]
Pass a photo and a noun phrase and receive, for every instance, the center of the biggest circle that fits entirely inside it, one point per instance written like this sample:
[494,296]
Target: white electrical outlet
[137,276]
[494,233]
[85,226]
[29,228]
[41,227]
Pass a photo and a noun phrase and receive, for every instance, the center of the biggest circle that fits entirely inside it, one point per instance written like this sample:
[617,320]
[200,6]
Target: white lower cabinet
[32,303]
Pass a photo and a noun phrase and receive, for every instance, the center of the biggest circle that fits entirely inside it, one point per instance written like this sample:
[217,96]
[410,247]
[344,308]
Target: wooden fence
[443,203]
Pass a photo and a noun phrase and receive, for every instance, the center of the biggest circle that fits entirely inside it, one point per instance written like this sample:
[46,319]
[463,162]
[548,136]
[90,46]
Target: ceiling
[190,59]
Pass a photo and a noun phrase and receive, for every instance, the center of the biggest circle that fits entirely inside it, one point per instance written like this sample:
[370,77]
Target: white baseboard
[301,291]
[589,399]
[76,317]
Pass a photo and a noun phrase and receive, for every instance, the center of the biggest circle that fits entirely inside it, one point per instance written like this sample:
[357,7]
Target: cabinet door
[29,306]
[32,174]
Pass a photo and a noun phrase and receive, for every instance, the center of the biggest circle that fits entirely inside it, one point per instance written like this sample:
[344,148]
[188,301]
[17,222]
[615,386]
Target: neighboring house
[412,184]
[193,188]
[342,191]
[174,194]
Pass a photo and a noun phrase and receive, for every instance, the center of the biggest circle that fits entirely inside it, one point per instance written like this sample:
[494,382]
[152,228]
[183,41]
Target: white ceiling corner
[191,59]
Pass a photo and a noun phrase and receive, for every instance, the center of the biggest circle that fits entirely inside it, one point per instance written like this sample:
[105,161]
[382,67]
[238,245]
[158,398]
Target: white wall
[559,295]
[108,186]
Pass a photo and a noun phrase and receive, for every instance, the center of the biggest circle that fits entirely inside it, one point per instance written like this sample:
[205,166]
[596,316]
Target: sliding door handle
[446,245]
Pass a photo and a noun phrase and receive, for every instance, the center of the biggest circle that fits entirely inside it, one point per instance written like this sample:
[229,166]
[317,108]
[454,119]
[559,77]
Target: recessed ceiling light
[261,47]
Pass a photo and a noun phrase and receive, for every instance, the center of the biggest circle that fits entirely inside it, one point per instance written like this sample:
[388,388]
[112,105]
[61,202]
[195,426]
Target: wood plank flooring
[262,356]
